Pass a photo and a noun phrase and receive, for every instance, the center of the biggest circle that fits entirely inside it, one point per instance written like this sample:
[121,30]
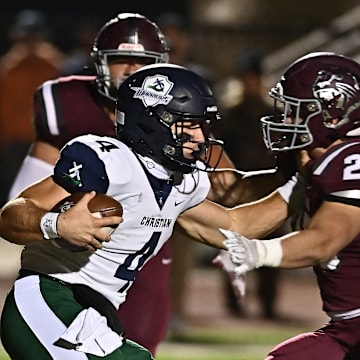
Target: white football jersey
[106,165]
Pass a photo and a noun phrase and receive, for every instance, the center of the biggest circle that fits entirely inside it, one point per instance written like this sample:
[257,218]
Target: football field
[217,344]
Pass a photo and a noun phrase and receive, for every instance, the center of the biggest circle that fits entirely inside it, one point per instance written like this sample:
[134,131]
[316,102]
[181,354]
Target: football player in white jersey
[75,105]
[62,305]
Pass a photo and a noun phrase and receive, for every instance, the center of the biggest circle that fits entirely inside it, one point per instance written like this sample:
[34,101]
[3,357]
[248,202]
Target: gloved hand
[242,251]
[237,281]
[252,254]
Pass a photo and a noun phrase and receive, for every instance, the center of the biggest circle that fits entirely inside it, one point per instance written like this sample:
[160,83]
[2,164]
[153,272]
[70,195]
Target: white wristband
[48,225]
[287,189]
[270,252]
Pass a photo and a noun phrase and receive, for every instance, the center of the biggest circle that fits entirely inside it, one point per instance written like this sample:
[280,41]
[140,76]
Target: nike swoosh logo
[166,261]
[177,203]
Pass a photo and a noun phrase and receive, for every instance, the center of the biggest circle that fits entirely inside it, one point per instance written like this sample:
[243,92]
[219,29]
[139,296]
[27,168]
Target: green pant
[36,312]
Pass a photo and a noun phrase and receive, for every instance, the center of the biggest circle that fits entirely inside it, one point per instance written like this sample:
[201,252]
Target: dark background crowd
[219,29]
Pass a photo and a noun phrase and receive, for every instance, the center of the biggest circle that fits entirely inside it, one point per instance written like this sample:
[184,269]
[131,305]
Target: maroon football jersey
[68,107]
[336,177]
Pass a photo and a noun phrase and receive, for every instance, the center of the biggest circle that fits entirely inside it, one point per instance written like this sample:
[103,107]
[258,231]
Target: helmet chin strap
[154,168]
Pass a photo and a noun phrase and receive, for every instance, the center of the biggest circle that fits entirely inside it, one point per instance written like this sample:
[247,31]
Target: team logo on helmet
[338,90]
[329,87]
[154,91]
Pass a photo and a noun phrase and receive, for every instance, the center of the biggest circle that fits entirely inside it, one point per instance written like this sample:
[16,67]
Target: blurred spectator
[240,126]
[79,57]
[241,131]
[176,32]
[30,61]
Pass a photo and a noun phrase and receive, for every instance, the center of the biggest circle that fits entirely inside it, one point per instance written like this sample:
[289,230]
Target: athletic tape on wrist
[48,225]
[270,252]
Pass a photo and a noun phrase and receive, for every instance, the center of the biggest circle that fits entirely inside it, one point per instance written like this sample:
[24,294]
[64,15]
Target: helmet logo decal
[333,87]
[154,90]
[336,91]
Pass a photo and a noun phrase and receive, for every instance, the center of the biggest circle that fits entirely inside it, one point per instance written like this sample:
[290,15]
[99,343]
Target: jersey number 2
[352,167]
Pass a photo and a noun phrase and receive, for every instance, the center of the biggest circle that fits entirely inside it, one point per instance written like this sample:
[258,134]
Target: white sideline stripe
[27,293]
[50,108]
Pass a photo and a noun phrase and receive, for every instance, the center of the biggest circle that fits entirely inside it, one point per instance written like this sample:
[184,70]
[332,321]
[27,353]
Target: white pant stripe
[34,310]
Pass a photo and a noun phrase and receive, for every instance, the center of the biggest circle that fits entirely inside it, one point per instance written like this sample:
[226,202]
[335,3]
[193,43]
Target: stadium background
[219,29]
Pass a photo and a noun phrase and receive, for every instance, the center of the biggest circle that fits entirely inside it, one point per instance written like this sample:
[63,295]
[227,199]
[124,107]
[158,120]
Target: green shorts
[36,313]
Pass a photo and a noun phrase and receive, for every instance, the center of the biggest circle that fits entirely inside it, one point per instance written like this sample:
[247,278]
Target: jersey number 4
[134,262]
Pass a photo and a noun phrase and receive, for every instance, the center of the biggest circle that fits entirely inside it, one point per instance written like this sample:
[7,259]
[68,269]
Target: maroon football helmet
[317,101]
[130,35]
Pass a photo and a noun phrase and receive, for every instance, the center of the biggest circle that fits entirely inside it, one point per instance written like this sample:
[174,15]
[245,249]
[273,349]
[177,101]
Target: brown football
[100,206]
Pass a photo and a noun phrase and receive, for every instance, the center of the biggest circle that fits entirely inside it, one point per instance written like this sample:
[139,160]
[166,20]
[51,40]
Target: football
[101,205]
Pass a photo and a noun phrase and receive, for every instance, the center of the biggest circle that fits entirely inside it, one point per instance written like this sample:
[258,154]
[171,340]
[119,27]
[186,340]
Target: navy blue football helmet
[158,97]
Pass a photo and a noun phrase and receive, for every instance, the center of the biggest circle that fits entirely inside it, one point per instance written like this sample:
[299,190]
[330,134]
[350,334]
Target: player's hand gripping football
[79,227]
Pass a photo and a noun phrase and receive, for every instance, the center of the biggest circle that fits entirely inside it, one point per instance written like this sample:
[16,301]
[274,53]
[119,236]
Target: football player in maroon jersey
[318,102]
[80,104]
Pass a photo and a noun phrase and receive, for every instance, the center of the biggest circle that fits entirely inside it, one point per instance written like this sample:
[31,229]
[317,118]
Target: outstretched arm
[317,244]
[255,219]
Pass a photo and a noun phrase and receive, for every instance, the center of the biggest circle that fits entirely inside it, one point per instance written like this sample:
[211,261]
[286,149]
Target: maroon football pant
[335,341]
[146,312]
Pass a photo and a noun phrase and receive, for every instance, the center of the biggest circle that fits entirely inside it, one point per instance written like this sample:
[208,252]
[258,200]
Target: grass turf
[221,344]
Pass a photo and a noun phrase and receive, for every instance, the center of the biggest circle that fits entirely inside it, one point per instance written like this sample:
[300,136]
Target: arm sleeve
[31,170]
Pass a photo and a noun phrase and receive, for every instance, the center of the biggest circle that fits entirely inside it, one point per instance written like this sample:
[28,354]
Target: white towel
[89,333]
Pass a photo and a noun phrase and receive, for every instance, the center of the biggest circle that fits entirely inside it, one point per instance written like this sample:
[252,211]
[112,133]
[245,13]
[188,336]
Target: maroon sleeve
[337,176]
[69,107]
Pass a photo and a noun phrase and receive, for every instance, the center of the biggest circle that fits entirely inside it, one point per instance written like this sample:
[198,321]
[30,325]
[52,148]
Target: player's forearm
[202,223]
[259,218]
[203,234]
[321,241]
[307,248]
[20,222]
[295,250]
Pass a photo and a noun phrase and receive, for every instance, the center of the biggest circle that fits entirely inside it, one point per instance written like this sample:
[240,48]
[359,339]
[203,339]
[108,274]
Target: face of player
[192,136]
[120,67]
[315,152]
